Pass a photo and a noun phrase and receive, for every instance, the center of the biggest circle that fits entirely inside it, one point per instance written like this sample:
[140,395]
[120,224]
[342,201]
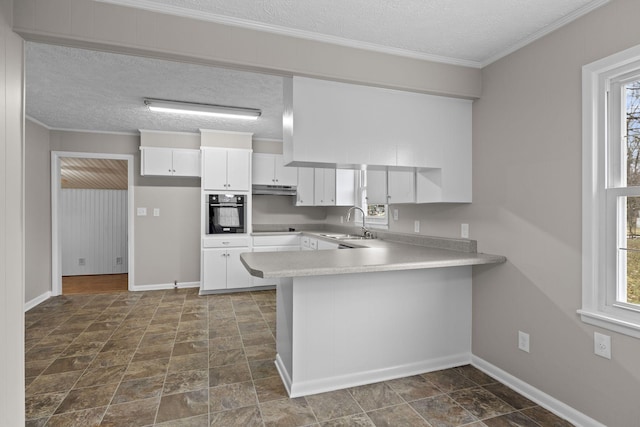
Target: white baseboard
[305,388]
[164,286]
[538,396]
[36,301]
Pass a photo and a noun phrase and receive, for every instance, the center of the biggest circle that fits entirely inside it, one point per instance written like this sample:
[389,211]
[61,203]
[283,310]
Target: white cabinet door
[156,161]
[214,269]
[285,175]
[186,162]
[237,274]
[325,187]
[376,187]
[401,187]
[262,169]
[226,169]
[214,169]
[305,189]
[345,187]
[238,168]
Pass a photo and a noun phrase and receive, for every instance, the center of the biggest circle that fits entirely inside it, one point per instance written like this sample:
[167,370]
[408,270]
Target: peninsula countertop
[364,256]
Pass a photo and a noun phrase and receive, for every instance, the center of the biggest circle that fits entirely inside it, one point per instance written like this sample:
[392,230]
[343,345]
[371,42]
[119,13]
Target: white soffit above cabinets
[472,33]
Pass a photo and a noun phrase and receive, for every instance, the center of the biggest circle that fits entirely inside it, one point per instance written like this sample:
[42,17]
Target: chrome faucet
[365,232]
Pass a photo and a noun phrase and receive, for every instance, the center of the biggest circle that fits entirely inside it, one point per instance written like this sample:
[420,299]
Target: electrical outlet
[119,260]
[395,214]
[416,226]
[142,211]
[523,341]
[341,219]
[602,345]
[464,231]
[156,211]
[82,261]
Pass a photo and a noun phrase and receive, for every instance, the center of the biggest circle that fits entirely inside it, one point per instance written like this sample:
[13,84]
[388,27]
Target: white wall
[94,229]
[11,222]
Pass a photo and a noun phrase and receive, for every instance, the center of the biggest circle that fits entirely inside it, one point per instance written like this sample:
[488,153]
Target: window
[611,193]
[376,213]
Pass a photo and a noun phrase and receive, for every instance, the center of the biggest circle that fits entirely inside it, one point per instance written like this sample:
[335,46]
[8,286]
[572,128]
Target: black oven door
[226,218]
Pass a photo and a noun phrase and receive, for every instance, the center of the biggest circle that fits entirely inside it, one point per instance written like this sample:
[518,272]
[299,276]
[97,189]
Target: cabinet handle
[174,170]
[225,243]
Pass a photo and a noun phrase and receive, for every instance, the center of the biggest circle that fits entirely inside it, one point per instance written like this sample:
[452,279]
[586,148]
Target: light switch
[142,211]
[395,214]
[156,211]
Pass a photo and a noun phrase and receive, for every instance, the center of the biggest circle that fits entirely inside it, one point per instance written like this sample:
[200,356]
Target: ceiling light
[223,111]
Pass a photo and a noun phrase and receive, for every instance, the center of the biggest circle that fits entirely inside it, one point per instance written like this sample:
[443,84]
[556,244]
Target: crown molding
[301,34]
[546,30]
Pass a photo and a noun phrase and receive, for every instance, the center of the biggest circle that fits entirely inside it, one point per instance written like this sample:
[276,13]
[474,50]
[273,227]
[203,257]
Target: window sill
[610,322]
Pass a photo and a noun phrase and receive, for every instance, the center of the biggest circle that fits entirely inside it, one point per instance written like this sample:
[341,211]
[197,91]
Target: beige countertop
[366,256]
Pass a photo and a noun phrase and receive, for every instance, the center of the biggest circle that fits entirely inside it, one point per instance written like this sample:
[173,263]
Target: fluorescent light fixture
[210,110]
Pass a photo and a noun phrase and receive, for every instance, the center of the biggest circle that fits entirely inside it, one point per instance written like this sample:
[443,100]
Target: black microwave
[226,213]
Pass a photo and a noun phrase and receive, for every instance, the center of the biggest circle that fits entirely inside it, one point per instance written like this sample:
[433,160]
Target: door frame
[56,241]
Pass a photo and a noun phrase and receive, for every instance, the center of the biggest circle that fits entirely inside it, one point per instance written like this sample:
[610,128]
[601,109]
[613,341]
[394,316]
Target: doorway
[92,221]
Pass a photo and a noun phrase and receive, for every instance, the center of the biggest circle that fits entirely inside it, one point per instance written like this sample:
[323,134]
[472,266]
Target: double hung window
[611,193]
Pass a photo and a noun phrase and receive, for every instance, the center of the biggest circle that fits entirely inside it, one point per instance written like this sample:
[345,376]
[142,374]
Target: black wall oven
[226,213]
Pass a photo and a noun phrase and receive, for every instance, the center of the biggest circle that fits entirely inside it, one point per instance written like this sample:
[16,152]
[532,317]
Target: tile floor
[172,358]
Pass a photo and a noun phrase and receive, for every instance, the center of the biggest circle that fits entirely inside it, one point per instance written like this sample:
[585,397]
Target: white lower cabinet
[221,265]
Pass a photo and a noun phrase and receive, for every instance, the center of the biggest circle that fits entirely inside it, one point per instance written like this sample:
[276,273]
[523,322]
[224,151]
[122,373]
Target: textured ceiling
[68,88]
[470,32]
[102,174]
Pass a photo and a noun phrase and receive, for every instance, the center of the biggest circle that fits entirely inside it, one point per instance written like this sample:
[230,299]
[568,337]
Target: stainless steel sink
[342,236]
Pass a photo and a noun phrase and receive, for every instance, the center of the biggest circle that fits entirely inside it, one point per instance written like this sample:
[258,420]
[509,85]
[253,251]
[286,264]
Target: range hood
[275,190]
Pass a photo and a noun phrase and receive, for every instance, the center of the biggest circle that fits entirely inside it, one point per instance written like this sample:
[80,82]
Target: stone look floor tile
[232,396]
[242,417]
[188,362]
[86,398]
[209,360]
[414,388]
[85,418]
[514,419]
[53,383]
[135,413]
[545,418]
[270,389]
[509,396]
[229,374]
[183,405]
[481,403]
[287,413]
[179,382]
[375,396]
[143,388]
[442,411]
[42,405]
[335,404]
[401,415]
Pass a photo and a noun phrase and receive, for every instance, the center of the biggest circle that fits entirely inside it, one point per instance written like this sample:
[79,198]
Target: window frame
[602,171]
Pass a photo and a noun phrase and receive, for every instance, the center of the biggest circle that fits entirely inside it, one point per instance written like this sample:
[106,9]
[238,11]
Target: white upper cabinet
[325,187]
[305,188]
[329,124]
[226,169]
[376,187]
[269,169]
[346,186]
[390,187]
[169,161]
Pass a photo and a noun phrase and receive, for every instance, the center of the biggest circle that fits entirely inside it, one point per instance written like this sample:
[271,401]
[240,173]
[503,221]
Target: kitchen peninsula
[379,310]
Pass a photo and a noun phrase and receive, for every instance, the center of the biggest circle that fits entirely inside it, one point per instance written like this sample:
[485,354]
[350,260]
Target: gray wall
[527,172]
[11,221]
[527,206]
[37,174]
